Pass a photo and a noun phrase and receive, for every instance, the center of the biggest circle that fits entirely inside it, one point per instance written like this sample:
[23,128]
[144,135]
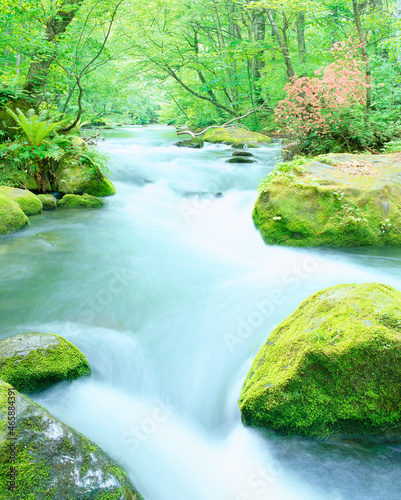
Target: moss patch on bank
[29,203]
[33,361]
[235,136]
[332,368]
[333,200]
[11,216]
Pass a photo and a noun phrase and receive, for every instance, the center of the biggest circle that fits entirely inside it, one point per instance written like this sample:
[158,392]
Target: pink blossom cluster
[315,104]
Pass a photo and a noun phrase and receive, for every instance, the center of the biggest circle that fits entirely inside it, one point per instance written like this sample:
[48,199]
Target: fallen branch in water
[182,132]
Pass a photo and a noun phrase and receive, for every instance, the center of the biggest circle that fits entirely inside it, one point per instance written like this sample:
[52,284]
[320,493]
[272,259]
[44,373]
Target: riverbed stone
[242,153]
[52,460]
[49,202]
[78,201]
[29,203]
[79,179]
[333,200]
[194,143]
[332,368]
[12,217]
[33,361]
[240,159]
[237,136]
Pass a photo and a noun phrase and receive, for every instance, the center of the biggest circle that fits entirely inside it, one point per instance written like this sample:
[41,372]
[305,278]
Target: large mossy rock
[77,201]
[11,216]
[29,203]
[332,368]
[236,136]
[52,460]
[32,361]
[78,179]
[336,200]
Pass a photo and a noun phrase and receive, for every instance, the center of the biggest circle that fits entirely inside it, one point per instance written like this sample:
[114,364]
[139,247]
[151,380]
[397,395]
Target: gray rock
[32,361]
[52,460]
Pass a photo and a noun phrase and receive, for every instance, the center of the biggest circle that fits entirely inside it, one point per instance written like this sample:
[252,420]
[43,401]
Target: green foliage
[34,126]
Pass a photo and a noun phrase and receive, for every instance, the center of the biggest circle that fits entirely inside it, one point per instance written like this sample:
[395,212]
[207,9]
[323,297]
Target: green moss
[333,367]
[79,179]
[237,136]
[49,202]
[11,216]
[194,142]
[78,201]
[28,202]
[53,461]
[313,203]
[33,361]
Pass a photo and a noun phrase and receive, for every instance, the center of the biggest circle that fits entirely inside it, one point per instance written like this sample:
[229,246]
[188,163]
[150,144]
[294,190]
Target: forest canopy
[202,62]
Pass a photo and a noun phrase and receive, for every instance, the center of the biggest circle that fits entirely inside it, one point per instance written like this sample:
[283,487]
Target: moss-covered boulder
[235,136]
[240,159]
[194,143]
[49,202]
[332,368]
[29,203]
[334,200]
[33,361]
[242,153]
[78,179]
[78,201]
[11,216]
[52,460]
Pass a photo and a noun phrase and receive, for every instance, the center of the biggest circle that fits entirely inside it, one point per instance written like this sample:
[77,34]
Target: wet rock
[49,202]
[12,217]
[32,361]
[29,203]
[52,460]
[236,136]
[78,201]
[332,368]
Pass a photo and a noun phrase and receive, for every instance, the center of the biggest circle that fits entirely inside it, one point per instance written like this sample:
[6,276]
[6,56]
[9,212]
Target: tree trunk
[398,14]
[282,41]
[55,25]
[300,27]
[368,74]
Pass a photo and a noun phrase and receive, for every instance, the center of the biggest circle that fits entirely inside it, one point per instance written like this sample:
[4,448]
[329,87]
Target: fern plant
[36,129]
[34,126]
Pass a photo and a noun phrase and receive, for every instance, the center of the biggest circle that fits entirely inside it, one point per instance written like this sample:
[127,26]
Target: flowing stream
[170,292]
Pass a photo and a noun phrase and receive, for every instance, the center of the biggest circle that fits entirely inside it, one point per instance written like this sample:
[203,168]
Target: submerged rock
[237,136]
[49,202]
[78,201]
[11,216]
[240,159]
[332,368]
[336,200]
[32,361]
[242,153]
[194,142]
[29,203]
[78,179]
[52,460]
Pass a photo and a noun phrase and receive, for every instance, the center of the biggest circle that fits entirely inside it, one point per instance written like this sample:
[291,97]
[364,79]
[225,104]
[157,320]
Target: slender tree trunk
[398,14]
[368,74]
[300,27]
[282,41]
[55,25]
